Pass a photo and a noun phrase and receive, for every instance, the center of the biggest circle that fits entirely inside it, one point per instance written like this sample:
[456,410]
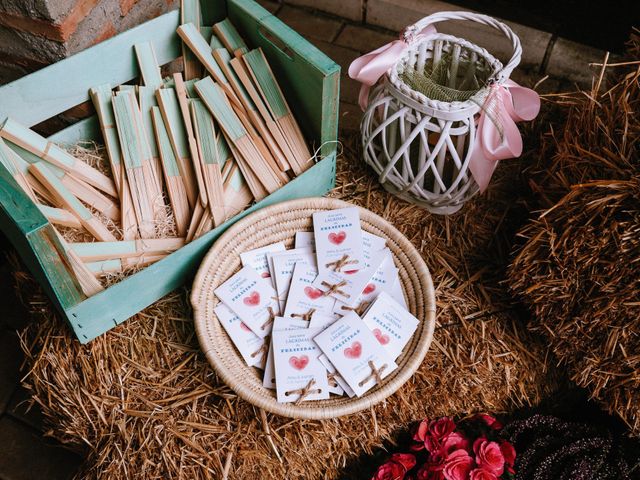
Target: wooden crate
[309,79]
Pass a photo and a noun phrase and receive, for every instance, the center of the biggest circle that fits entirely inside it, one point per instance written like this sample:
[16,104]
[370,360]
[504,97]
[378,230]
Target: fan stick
[147,99]
[209,161]
[136,155]
[196,42]
[71,203]
[272,149]
[6,159]
[101,97]
[52,153]
[268,86]
[198,212]
[172,177]
[84,278]
[206,224]
[230,37]
[170,109]
[149,68]
[99,251]
[236,192]
[183,102]
[270,125]
[117,266]
[59,216]
[190,13]
[214,99]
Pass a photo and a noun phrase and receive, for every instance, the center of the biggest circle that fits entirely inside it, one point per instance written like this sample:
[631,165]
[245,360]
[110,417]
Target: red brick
[126,6]
[107,32]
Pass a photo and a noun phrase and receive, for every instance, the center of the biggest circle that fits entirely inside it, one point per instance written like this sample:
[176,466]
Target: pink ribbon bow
[368,68]
[513,103]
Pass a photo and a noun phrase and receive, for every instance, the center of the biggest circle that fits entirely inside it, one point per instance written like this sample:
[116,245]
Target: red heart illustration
[369,288]
[337,238]
[244,327]
[351,272]
[299,362]
[252,300]
[312,293]
[381,337]
[266,275]
[353,351]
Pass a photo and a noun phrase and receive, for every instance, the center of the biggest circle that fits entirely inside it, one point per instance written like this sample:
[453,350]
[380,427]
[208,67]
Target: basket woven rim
[227,362]
[397,83]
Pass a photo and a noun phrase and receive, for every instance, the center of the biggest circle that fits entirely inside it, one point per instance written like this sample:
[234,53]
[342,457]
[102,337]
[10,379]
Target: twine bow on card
[368,68]
[331,378]
[341,262]
[497,135]
[304,392]
[270,320]
[375,373]
[359,309]
[304,316]
[261,351]
[335,288]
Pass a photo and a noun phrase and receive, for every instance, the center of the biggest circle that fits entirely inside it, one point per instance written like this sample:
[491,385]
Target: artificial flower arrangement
[471,449]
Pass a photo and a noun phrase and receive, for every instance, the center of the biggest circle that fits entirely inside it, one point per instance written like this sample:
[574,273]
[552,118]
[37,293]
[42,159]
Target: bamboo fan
[83,276]
[196,164]
[273,150]
[99,251]
[83,191]
[214,98]
[237,195]
[147,100]
[149,69]
[170,109]
[173,179]
[50,152]
[209,161]
[190,13]
[147,200]
[66,200]
[215,43]
[271,126]
[59,216]
[274,98]
[230,37]
[7,161]
[34,184]
[196,42]
[198,215]
[114,266]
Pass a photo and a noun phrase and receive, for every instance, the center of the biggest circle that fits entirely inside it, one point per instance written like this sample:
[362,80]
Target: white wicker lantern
[421,147]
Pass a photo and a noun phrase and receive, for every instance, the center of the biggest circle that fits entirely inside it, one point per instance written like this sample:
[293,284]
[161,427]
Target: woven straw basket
[278,223]
[421,147]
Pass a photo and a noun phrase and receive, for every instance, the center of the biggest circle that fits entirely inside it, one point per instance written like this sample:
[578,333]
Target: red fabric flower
[431,434]
[421,434]
[458,465]
[396,468]
[489,456]
[452,442]
[509,454]
[491,421]
[482,474]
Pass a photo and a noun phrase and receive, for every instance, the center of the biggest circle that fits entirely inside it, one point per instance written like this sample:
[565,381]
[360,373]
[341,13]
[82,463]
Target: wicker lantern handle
[499,76]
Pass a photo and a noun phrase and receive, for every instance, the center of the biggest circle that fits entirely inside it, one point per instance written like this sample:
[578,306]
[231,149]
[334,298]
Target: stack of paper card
[326,317]
[186,153]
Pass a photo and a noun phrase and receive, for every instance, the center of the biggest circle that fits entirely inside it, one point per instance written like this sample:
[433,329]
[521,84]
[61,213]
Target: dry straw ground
[579,266]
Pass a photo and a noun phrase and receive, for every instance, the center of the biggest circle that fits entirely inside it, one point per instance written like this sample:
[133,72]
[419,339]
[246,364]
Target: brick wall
[35,33]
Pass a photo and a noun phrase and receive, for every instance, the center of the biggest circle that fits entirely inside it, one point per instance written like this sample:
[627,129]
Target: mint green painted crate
[310,81]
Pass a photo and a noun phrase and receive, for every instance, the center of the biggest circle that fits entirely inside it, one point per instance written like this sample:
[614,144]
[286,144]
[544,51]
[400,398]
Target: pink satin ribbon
[368,68]
[513,103]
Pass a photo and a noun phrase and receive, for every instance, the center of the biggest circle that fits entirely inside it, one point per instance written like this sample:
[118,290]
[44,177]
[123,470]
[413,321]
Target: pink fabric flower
[481,474]
[489,456]
[452,442]
[491,421]
[421,434]
[509,454]
[441,427]
[396,468]
[432,434]
[458,465]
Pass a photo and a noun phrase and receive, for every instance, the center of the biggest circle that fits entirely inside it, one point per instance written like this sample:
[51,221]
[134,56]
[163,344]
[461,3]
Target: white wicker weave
[421,147]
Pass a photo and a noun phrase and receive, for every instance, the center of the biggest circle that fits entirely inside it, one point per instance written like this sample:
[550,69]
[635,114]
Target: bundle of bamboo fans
[578,268]
[185,154]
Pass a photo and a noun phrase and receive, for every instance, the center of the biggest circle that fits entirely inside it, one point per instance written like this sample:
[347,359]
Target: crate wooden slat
[309,79]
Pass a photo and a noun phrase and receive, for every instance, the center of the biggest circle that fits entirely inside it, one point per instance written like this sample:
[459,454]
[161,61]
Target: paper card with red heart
[381,281]
[305,240]
[280,323]
[371,243]
[252,298]
[321,320]
[342,386]
[297,367]
[350,346]
[303,297]
[257,259]
[251,347]
[338,237]
[391,324]
[347,287]
[398,294]
[283,265]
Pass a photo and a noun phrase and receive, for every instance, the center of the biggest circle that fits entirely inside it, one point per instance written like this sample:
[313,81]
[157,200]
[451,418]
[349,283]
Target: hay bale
[146,403]
[578,267]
